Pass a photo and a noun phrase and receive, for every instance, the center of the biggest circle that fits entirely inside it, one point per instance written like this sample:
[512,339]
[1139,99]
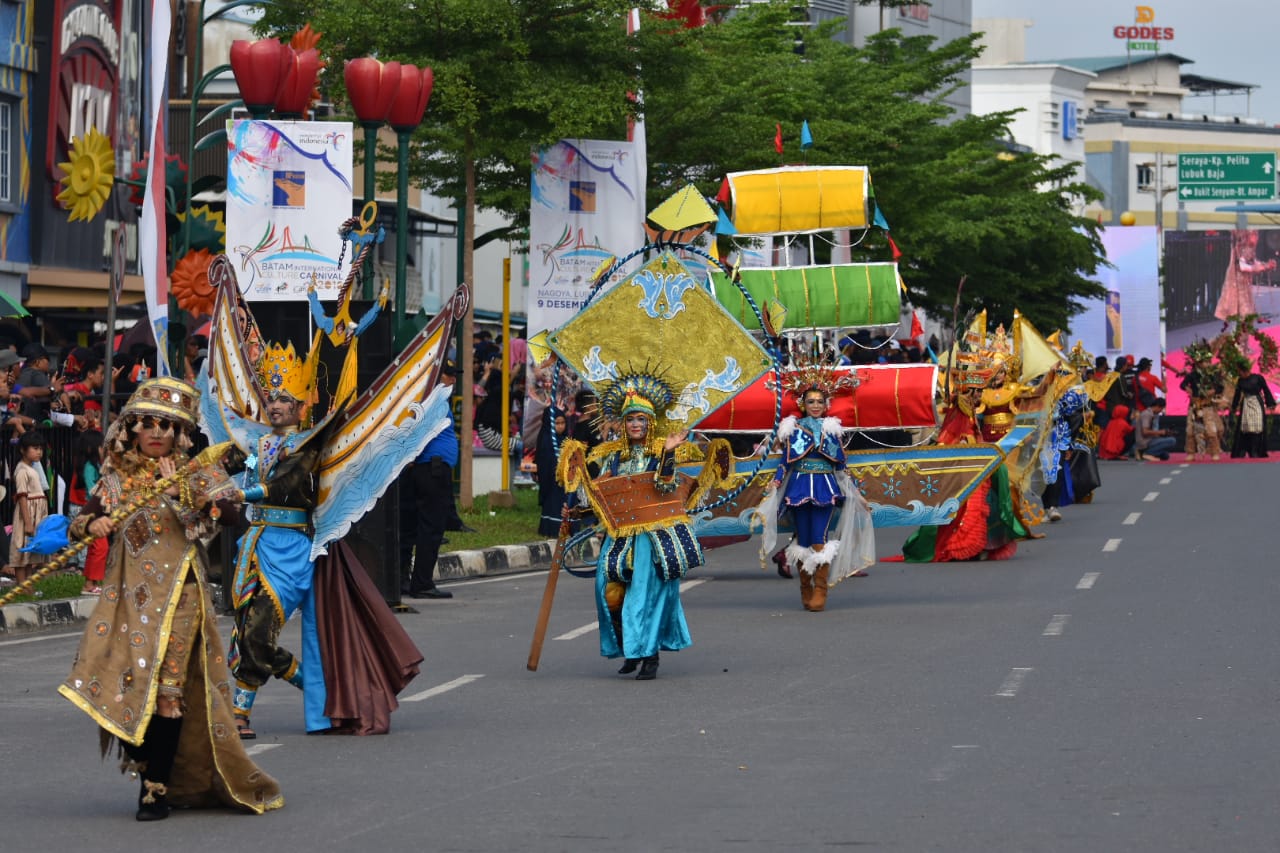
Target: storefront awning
[55,287]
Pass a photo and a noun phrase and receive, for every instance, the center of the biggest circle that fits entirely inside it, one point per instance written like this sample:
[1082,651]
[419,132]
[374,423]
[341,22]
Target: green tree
[510,75]
[959,202]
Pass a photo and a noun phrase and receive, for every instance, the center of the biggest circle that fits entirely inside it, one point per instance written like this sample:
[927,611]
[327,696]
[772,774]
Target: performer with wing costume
[307,487]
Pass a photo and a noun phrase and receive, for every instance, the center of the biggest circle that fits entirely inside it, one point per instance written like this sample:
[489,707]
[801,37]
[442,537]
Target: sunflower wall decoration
[89,175]
[190,283]
[208,229]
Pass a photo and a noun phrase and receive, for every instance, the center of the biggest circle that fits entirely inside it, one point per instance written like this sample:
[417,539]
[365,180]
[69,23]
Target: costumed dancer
[642,503]
[274,571]
[1203,382]
[1067,461]
[1249,406]
[150,670]
[812,485]
[986,526]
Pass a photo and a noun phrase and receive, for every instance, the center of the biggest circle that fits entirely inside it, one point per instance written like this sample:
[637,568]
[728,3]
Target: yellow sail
[800,199]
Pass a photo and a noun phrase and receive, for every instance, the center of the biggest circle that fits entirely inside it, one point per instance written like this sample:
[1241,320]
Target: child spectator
[84,476]
[30,504]
[1116,441]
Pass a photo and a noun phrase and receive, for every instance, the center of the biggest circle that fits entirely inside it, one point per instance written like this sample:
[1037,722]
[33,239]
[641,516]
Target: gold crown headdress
[811,373]
[282,371]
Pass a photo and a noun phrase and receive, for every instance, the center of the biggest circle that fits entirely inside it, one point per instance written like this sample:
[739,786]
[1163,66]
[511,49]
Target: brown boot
[818,601]
[806,585]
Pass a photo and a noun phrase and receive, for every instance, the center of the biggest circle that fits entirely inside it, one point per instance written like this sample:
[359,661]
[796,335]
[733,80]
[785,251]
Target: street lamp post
[371,86]
[405,115]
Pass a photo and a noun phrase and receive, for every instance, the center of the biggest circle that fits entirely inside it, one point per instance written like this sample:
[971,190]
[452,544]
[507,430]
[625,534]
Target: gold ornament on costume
[282,371]
[90,173]
[816,374]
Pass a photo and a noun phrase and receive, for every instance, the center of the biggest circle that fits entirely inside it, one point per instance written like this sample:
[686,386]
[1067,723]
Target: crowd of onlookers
[51,426]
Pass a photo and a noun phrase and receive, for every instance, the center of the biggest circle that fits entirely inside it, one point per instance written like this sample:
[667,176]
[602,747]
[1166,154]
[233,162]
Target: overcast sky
[1236,40]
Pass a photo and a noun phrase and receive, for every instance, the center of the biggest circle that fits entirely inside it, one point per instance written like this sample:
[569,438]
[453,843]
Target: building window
[1146,175]
[8,133]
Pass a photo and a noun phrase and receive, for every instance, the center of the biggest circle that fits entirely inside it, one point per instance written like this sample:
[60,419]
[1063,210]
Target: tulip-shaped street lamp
[404,117]
[295,94]
[372,86]
[261,68]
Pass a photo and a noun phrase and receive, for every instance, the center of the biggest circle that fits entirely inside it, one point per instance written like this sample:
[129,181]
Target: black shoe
[466,528]
[433,592]
[648,669]
[157,809]
[629,666]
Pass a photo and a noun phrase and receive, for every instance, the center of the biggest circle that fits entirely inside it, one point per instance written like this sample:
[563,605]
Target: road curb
[32,616]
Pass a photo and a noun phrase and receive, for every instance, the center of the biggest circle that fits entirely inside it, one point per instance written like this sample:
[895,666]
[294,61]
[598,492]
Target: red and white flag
[152,238]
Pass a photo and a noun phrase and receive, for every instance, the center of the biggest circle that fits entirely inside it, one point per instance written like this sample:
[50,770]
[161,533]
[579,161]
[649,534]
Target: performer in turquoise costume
[274,569]
[642,504]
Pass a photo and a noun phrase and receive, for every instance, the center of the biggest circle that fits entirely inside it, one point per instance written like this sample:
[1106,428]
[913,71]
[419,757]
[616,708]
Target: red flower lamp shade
[372,86]
[260,68]
[296,93]
[411,101]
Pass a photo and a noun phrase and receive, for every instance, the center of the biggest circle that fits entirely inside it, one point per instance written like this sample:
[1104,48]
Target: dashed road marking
[1177,471]
[1132,518]
[1164,481]
[1151,496]
[1112,545]
[259,748]
[1013,682]
[443,688]
[1056,625]
[1089,579]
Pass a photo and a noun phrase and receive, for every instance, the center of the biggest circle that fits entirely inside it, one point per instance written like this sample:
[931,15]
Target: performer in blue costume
[274,570]
[642,504]
[811,484]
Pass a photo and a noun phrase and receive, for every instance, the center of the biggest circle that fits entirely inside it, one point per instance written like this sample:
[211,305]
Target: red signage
[1142,34]
[85,62]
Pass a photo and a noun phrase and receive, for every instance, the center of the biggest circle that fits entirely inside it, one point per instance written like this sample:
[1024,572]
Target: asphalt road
[1112,688]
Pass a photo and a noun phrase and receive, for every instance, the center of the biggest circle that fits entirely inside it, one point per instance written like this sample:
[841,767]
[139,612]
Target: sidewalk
[29,617]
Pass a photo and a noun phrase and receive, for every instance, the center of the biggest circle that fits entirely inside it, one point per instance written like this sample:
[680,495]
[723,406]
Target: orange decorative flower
[190,283]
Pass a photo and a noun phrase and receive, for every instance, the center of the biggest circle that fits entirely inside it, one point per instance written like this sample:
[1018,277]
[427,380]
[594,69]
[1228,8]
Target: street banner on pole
[152,238]
[288,189]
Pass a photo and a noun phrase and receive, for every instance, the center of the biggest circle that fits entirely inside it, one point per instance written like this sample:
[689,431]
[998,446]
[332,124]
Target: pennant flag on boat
[917,328]
[893,247]
[777,140]
[806,138]
[723,224]
[879,220]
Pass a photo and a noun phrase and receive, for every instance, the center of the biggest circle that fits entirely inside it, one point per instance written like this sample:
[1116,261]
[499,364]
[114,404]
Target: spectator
[433,495]
[1150,440]
[87,463]
[1145,384]
[1249,406]
[34,383]
[30,505]
[1116,440]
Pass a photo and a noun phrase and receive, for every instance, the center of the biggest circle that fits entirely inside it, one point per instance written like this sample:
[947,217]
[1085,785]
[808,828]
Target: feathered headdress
[644,391]
[813,373]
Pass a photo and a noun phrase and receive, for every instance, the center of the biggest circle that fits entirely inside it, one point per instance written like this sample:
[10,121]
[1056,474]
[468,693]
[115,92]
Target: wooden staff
[549,594]
[148,493]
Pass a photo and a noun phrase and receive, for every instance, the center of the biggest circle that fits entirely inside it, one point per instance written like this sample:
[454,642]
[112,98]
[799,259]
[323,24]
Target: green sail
[832,296]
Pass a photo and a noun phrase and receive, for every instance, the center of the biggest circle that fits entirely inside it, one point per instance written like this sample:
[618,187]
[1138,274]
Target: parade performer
[985,527]
[1203,382]
[306,486]
[274,569]
[1249,406]
[150,670]
[643,505]
[812,485]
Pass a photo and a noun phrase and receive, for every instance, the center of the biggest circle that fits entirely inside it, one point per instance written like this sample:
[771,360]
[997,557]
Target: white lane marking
[1183,465]
[577,632]
[685,586]
[1056,625]
[1151,496]
[42,638]
[1014,682]
[1164,481]
[1112,545]
[1132,518]
[1177,471]
[443,688]
[259,748]
[1088,580]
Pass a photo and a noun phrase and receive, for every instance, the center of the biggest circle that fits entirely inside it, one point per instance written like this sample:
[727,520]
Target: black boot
[648,668]
[630,664]
[161,745]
